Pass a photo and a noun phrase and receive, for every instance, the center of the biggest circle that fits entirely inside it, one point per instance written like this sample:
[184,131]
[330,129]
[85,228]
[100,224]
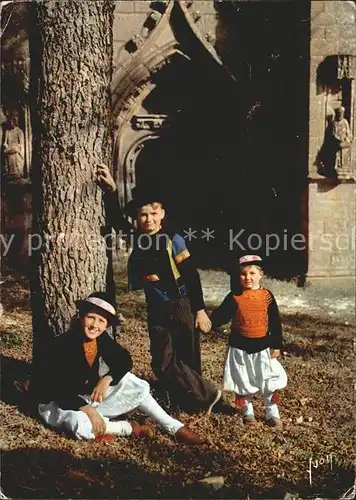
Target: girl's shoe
[275,422]
[249,420]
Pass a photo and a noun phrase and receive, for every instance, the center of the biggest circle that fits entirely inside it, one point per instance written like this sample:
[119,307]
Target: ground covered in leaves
[313,457]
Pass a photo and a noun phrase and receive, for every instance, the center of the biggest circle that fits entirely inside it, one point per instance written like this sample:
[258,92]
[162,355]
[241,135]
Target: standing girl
[255,341]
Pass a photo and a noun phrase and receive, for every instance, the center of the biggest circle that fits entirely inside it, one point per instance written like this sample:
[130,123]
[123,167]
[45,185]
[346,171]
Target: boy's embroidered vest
[251,317]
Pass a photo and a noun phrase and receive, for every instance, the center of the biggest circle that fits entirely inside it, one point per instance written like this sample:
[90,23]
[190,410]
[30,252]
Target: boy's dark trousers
[175,351]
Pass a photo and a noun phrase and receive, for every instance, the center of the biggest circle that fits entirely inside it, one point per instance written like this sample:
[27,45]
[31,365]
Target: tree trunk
[73,64]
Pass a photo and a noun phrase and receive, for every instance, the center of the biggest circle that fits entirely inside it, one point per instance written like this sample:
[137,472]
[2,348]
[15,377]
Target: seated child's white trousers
[129,394]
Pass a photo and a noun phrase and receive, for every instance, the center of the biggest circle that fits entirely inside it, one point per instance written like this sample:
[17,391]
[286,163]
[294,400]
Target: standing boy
[161,265]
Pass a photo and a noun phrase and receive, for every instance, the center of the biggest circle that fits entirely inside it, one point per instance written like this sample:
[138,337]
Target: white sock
[151,408]
[120,428]
[248,408]
[271,408]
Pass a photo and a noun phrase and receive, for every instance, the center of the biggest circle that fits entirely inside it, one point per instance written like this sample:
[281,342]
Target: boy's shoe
[249,420]
[22,386]
[275,422]
[142,431]
[217,398]
[184,435]
[223,407]
[163,398]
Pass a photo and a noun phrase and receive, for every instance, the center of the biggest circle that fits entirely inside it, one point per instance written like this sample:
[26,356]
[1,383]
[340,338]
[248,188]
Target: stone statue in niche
[334,157]
[17,197]
[12,148]
[341,133]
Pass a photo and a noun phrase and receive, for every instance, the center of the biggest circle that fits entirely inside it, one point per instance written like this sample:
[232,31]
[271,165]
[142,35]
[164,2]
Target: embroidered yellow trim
[175,271]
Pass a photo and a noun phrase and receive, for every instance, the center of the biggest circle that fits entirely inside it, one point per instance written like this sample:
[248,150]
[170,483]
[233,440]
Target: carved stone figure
[16,190]
[334,157]
[12,148]
[342,137]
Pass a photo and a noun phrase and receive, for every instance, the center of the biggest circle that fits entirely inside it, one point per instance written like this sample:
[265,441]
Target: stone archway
[216,143]
[177,135]
[133,84]
[131,174]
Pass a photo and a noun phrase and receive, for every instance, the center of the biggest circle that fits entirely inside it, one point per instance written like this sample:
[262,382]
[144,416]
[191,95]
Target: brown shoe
[184,435]
[249,420]
[142,431]
[275,422]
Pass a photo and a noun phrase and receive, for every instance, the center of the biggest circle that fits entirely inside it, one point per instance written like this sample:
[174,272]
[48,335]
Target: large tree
[72,63]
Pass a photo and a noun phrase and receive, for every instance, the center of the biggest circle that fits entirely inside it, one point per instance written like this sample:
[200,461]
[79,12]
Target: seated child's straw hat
[101,302]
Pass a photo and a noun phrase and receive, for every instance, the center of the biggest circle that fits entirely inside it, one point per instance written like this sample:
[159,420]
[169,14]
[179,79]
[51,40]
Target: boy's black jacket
[155,260]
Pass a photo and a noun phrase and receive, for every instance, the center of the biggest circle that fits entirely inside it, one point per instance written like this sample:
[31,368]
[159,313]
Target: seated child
[251,364]
[72,394]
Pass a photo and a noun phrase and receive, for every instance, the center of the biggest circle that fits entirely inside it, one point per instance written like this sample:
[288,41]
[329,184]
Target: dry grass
[261,463]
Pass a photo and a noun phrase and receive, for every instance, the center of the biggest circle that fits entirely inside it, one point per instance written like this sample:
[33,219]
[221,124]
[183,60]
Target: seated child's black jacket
[66,374]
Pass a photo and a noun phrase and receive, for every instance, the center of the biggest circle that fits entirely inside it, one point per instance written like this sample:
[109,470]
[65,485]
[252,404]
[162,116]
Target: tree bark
[72,71]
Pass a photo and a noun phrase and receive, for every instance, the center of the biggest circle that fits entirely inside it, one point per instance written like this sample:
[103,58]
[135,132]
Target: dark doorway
[234,155]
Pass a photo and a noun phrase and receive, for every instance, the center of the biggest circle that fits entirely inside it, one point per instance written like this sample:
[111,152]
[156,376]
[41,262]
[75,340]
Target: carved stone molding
[159,11]
[204,39]
[134,43]
[153,19]
[196,16]
[346,67]
[135,79]
[18,69]
[129,167]
[210,37]
[346,174]
[150,122]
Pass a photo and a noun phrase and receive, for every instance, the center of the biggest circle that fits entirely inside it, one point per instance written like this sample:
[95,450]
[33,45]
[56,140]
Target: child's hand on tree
[275,353]
[104,178]
[101,389]
[97,421]
[202,321]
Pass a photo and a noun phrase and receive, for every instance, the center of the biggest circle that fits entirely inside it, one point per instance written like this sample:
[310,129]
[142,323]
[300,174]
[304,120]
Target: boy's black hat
[141,196]
[101,302]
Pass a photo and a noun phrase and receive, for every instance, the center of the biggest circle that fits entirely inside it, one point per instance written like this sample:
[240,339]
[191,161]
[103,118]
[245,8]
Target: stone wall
[331,194]
[331,230]
[333,33]
[129,19]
